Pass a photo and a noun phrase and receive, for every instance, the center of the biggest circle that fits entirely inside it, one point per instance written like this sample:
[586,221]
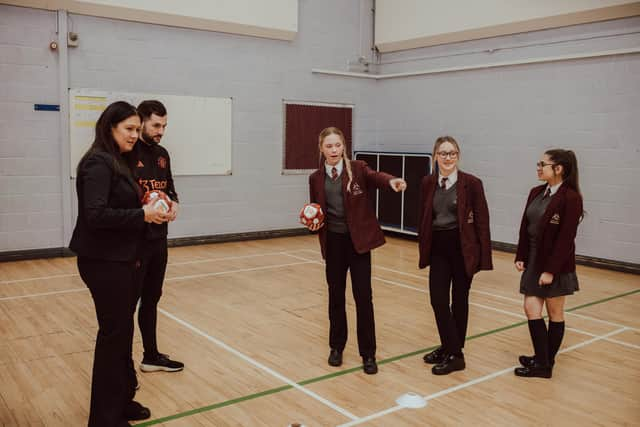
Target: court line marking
[513,314]
[192,276]
[199,261]
[346,371]
[258,365]
[475,381]
[313,380]
[240,270]
[44,294]
[477,291]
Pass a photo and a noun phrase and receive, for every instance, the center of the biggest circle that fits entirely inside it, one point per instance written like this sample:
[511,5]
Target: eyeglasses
[543,164]
[448,154]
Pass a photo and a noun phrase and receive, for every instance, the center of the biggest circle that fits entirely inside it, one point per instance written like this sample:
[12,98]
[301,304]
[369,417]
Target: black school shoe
[537,371]
[335,357]
[528,361]
[369,365]
[134,411]
[435,357]
[450,364]
[160,363]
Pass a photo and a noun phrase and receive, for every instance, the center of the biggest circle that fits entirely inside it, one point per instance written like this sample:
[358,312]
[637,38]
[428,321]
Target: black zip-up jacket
[152,168]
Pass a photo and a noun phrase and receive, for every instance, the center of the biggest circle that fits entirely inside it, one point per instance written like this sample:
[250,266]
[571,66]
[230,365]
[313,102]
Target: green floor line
[355,369]
[589,304]
[216,406]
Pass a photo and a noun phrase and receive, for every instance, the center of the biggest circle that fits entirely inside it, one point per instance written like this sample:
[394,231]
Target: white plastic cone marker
[411,400]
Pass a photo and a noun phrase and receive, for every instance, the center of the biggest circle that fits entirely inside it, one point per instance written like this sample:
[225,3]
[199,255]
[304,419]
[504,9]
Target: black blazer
[110,216]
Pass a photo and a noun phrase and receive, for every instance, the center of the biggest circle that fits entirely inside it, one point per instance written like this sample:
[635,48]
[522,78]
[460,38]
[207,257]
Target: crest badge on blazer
[356,190]
[470,218]
[555,219]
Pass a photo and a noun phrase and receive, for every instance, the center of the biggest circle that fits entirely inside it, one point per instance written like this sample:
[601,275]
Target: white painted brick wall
[504,118]
[30,192]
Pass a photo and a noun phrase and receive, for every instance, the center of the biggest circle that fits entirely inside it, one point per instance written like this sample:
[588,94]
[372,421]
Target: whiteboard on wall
[198,135]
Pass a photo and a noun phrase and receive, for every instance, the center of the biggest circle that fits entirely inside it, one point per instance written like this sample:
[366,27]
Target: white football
[161,205]
[310,211]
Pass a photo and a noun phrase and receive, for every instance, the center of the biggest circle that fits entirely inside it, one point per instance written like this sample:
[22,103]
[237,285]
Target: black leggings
[447,268]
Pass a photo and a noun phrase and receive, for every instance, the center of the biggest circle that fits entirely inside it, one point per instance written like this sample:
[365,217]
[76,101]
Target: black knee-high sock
[556,333]
[538,331]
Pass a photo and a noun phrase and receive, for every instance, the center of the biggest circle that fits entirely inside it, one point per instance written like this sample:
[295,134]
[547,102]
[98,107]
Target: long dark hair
[567,159]
[569,162]
[104,142]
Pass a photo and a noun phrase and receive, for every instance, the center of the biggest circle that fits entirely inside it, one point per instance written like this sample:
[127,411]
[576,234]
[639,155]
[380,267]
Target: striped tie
[334,173]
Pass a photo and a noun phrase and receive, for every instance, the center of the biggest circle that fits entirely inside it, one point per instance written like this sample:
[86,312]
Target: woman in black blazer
[546,256]
[454,240]
[106,237]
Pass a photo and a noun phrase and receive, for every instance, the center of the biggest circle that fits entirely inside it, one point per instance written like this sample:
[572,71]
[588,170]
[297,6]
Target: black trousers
[342,257]
[114,289]
[447,269]
[154,265]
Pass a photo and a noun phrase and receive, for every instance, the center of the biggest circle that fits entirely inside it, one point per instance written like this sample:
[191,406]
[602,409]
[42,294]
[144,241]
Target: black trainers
[161,363]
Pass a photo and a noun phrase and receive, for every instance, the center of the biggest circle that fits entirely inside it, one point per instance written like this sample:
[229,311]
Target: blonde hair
[439,141]
[347,163]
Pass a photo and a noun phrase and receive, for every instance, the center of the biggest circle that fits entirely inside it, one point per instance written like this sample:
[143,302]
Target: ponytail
[567,159]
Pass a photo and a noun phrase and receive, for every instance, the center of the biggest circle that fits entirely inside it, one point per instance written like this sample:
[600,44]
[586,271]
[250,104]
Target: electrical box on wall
[72,39]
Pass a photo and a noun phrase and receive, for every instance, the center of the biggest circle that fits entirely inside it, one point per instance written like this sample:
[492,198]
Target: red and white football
[311,213]
[158,199]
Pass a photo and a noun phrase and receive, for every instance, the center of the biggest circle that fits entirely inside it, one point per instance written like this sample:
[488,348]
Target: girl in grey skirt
[546,256]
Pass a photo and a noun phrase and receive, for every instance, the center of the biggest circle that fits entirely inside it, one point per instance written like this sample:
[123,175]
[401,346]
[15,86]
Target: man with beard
[152,167]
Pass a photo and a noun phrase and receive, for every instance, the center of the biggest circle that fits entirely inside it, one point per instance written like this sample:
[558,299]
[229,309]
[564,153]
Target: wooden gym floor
[249,320]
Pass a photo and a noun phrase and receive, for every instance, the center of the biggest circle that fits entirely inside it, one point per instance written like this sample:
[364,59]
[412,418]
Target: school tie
[334,173]
[547,193]
[443,183]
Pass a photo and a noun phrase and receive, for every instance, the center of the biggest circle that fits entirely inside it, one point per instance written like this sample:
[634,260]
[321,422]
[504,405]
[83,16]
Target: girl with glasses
[454,240]
[546,256]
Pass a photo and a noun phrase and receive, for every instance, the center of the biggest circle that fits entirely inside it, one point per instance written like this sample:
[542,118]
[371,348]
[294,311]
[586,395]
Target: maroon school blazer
[473,222]
[556,231]
[359,214]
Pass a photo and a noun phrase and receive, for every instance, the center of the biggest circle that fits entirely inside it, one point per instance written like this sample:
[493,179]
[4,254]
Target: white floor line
[43,294]
[198,261]
[611,340]
[166,280]
[475,381]
[240,270]
[595,319]
[512,314]
[303,258]
[570,313]
[259,365]
[55,276]
[204,260]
